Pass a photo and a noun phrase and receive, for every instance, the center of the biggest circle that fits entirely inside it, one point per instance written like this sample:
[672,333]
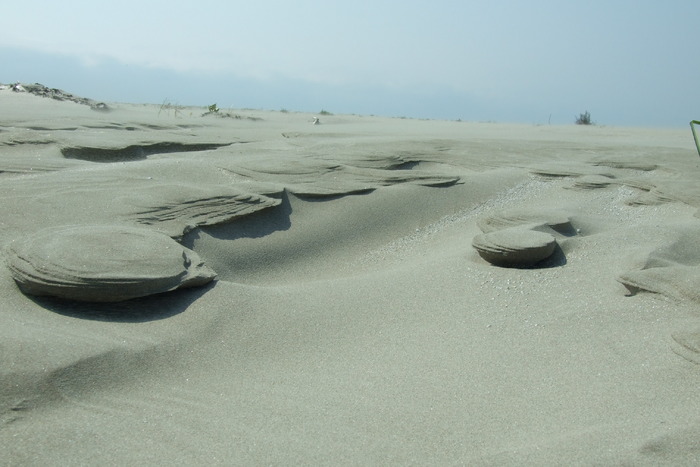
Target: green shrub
[584,119]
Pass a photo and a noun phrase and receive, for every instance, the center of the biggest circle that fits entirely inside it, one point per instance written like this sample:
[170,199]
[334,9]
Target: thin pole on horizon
[695,136]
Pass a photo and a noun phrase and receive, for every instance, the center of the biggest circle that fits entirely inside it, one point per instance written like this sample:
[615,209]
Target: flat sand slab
[352,322]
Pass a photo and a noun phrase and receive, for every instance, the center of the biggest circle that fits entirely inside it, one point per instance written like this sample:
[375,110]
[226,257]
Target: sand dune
[351,321]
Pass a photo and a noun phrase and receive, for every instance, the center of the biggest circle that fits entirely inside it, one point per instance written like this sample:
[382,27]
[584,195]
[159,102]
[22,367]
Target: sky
[627,62]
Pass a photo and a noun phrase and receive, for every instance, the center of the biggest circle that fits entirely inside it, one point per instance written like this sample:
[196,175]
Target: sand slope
[352,322]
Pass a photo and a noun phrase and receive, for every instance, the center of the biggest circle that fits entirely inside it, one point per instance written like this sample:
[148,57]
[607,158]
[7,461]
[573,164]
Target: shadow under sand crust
[365,308]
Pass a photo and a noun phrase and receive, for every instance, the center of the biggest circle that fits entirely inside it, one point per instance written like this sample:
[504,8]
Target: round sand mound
[514,247]
[104,263]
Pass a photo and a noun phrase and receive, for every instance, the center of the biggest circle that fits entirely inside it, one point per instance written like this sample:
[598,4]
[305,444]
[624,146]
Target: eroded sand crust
[517,247]
[103,263]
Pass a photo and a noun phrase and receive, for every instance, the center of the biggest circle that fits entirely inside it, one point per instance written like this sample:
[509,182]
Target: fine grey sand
[351,320]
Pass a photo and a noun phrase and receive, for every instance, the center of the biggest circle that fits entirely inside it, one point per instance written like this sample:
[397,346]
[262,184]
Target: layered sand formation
[180,289]
[103,263]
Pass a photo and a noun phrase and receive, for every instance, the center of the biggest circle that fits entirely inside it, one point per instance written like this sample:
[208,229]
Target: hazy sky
[629,62]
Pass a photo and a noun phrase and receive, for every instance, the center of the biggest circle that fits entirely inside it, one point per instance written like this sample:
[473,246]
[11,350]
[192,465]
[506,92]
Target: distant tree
[584,119]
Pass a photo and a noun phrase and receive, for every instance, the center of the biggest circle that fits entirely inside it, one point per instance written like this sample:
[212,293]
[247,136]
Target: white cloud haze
[628,62]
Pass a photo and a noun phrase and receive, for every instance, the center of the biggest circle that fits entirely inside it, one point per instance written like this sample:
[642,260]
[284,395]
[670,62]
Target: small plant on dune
[584,119]
[214,110]
[324,112]
[168,107]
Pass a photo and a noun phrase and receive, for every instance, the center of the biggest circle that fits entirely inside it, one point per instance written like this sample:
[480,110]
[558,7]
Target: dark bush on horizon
[584,119]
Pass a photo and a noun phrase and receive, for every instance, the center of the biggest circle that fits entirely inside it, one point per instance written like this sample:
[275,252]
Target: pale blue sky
[531,61]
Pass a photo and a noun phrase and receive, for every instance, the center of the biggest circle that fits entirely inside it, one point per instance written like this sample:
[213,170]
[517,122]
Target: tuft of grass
[168,107]
[584,119]
[324,112]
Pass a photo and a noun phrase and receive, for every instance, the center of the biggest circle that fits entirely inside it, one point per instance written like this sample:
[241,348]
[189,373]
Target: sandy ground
[352,322]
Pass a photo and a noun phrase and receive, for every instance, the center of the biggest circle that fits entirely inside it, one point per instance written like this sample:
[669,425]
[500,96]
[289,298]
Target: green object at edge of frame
[695,136]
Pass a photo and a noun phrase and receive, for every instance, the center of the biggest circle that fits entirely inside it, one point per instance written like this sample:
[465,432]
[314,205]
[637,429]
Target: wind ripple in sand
[677,446]
[672,271]
[557,219]
[568,169]
[103,263]
[170,196]
[687,345]
[632,163]
[651,197]
[134,152]
[312,177]
[591,182]
[177,209]
[672,189]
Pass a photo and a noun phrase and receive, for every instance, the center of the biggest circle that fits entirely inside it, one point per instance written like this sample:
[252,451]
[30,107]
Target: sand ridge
[352,321]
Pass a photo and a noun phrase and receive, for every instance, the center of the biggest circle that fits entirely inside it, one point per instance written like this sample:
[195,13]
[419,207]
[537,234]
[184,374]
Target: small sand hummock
[515,247]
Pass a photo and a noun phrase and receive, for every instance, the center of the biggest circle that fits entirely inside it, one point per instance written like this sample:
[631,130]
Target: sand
[351,321]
